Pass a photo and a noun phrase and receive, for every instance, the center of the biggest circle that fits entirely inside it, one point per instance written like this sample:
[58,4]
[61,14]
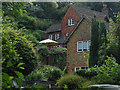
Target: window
[66,34]
[71,22]
[83,46]
[51,36]
[80,67]
[57,36]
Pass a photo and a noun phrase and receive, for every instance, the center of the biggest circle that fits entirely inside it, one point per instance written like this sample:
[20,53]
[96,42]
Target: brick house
[74,33]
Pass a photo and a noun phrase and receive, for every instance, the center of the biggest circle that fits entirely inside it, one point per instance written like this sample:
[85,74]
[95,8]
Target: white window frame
[71,21]
[51,37]
[57,36]
[88,45]
[75,69]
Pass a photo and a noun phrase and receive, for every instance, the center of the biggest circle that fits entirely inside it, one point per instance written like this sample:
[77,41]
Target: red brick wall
[70,14]
[75,58]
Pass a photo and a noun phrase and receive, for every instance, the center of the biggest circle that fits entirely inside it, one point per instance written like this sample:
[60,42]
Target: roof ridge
[86,9]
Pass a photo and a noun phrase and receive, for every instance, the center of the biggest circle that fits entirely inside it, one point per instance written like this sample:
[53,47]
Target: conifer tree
[118,31]
[93,56]
[102,43]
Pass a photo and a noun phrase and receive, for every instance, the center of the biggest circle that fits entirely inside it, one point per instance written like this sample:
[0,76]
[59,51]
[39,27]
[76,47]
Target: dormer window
[71,22]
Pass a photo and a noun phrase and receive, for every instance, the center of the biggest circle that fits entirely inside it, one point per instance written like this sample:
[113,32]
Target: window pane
[88,45]
[51,37]
[84,45]
[68,21]
[80,45]
[72,21]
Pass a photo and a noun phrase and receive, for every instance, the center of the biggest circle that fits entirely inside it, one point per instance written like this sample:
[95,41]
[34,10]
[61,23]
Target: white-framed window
[80,67]
[71,22]
[83,46]
[57,36]
[51,37]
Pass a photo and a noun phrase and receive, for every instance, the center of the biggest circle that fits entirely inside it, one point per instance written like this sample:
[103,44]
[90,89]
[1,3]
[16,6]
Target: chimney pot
[105,5]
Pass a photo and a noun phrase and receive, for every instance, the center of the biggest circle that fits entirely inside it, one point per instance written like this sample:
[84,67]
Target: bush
[108,73]
[52,73]
[88,73]
[24,48]
[48,73]
[59,56]
[72,81]
[11,64]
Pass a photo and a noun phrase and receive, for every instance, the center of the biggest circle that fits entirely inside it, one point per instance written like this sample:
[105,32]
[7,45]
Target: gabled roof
[89,13]
[54,28]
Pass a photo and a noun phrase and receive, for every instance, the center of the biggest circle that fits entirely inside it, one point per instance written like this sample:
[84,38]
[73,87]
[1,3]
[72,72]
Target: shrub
[108,73]
[72,81]
[52,73]
[59,56]
[11,64]
[24,48]
[88,73]
[46,73]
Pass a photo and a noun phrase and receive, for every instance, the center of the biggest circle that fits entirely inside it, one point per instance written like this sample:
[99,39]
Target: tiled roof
[89,13]
[54,28]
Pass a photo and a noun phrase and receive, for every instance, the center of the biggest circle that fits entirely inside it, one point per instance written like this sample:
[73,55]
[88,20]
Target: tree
[102,43]
[111,33]
[11,64]
[93,56]
[23,47]
[14,9]
[118,31]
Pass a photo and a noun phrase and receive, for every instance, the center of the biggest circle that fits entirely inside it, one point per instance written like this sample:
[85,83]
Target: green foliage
[49,10]
[48,73]
[37,86]
[33,23]
[11,63]
[87,73]
[52,73]
[72,82]
[23,47]
[118,34]
[108,73]
[93,56]
[59,56]
[15,9]
[34,36]
[102,34]
[111,33]
[44,52]
[102,43]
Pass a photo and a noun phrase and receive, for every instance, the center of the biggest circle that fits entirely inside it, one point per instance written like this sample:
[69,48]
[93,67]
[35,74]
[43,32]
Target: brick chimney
[105,9]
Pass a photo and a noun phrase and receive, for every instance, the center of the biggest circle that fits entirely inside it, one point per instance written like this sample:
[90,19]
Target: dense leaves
[93,56]
[23,47]
[11,64]
[57,55]
[46,73]
[107,73]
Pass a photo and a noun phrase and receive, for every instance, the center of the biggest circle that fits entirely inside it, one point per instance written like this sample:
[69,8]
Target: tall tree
[102,43]
[118,30]
[93,56]
[111,33]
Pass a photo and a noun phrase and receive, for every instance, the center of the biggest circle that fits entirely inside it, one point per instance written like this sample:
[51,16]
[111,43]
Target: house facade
[75,35]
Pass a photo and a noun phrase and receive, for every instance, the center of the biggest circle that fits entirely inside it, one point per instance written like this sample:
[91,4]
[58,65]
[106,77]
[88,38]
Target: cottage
[74,33]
